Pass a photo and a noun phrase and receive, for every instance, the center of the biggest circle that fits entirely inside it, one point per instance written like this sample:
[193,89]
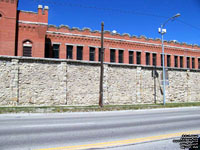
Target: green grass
[57,109]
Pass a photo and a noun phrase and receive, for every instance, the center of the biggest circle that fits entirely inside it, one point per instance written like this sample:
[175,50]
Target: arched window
[27,48]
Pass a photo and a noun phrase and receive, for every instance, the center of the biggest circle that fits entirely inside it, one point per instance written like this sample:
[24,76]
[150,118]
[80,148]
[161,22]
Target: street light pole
[162,31]
[163,63]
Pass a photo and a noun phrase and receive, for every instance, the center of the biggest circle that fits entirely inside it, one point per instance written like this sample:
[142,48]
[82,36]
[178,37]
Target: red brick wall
[41,16]
[35,34]
[8,10]
[76,37]
[33,27]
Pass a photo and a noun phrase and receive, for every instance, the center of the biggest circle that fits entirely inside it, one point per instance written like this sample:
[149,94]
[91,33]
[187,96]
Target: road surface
[117,130]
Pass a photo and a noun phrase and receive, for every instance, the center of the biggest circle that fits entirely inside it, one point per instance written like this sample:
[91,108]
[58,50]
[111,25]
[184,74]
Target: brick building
[25,33]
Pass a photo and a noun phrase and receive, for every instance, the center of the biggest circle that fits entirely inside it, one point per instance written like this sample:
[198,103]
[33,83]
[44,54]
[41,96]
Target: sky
[136,17]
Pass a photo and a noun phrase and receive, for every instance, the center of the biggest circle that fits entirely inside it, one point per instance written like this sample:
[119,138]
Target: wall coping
[69,61]
[24,11]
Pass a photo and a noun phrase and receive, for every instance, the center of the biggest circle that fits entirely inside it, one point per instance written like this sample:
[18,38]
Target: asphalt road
[139,129]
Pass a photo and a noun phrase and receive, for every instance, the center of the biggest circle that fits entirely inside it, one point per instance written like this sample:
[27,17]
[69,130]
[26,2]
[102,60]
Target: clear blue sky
[136,17]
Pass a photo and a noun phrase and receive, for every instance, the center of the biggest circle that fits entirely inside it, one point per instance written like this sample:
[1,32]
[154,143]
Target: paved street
[139,129]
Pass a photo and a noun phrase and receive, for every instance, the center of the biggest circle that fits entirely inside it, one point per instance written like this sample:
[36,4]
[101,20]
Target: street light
[162,31]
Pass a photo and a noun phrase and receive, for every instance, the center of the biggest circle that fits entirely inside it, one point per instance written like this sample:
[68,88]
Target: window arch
[27,48]
[2,14]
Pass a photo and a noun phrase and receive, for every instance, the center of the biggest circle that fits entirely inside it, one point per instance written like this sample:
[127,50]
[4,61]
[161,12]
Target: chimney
[39,9]
[46,9]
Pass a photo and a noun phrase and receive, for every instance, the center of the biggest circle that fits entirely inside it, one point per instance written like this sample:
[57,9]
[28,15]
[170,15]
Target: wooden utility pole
[155,76]
[101,74]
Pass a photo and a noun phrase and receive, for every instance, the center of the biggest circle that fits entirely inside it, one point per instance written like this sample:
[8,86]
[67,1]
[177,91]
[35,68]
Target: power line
[188,24]
[101,9]
[113,10]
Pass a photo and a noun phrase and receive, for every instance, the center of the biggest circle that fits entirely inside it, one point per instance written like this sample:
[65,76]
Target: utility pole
[155,76]
[101,74]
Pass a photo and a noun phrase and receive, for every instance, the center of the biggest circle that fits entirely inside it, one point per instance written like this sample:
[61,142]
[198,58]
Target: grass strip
[57,109]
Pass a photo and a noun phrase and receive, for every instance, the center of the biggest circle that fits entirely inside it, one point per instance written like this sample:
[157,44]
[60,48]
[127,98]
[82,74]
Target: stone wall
[38,81]
[6,83]
[42,83]
[82,83]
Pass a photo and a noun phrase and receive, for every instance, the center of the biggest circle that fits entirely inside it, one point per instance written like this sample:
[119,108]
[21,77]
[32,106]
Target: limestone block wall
[121,85]
[82,83]
[129,84]
[39,81]
[184,86]
[42,83]
[7,82]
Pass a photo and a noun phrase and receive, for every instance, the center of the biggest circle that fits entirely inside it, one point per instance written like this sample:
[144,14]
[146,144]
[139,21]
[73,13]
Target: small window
[112,55]
[99,54]
[79,52]
[199,63]
[147,58]
[161,58]
[181,61]
[69,52]
[131,54]
[27,49]
[168,61]
[121,56]
[0,16]
[56,48]
[138,55]
[175,61]
[193,63]
[92,54]
[48,48]
[154,59]
[188,62]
